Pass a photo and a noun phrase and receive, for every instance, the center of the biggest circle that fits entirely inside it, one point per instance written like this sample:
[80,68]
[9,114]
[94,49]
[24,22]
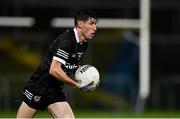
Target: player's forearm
[59,74]
[56,71]
[64,77]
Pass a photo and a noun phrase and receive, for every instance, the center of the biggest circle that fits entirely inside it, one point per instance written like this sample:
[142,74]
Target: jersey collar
[76,35]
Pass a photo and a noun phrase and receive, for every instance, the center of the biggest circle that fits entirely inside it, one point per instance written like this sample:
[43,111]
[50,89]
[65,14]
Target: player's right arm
[56,71]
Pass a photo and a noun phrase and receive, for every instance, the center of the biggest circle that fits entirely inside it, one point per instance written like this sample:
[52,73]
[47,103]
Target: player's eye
[92,23]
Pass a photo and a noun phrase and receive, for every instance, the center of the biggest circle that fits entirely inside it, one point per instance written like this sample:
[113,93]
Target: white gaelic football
[86,74]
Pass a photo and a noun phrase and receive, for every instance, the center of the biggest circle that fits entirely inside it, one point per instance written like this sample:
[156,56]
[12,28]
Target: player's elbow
[54,68]
[52,71]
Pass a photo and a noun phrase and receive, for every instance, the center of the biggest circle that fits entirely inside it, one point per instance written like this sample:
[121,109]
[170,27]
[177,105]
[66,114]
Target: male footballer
[44,89]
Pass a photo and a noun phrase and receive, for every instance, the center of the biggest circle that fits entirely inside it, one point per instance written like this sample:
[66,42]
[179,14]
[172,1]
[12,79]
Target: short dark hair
[84,14]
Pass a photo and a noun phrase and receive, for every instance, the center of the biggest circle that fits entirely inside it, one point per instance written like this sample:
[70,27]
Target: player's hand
[88,87]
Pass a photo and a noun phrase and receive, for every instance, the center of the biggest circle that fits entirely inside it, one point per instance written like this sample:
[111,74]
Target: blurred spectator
[124,69]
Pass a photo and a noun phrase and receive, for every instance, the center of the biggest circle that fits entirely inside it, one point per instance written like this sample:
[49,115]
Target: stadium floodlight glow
[104,23]
[17,21]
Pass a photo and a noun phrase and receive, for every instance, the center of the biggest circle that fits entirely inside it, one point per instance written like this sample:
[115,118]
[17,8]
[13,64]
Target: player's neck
[81,36]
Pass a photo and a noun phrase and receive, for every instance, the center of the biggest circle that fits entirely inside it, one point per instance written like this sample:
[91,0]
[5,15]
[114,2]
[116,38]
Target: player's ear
[80,24]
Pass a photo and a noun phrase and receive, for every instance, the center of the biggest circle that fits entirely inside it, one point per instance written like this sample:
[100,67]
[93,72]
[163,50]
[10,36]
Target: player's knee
[59,114]
[61,110]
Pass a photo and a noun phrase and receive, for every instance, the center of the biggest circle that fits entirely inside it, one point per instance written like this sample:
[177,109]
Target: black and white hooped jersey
[65,49]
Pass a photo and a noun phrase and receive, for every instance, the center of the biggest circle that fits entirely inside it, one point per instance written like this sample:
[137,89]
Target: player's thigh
[25,111]
[61,110]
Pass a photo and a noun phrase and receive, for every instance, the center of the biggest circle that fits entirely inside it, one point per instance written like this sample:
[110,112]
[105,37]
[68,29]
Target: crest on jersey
[37,98]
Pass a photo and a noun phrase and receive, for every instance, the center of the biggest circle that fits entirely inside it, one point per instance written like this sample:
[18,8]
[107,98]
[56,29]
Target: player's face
[89,28]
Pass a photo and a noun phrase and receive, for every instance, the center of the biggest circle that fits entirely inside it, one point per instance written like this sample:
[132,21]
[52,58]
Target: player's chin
[91,38]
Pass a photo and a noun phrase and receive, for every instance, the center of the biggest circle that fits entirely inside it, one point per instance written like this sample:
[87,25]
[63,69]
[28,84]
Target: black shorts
[42,101]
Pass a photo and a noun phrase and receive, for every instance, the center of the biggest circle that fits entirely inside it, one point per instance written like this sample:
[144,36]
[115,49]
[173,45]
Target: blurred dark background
[115,52]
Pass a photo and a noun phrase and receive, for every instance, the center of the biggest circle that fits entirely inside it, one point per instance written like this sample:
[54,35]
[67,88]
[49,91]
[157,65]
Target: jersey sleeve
[63,51]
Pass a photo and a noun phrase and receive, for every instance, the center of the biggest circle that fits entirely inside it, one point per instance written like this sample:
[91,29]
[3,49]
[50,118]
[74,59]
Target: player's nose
[95,28]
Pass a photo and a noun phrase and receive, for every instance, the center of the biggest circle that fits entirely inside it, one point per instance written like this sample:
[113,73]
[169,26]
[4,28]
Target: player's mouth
[93,34]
